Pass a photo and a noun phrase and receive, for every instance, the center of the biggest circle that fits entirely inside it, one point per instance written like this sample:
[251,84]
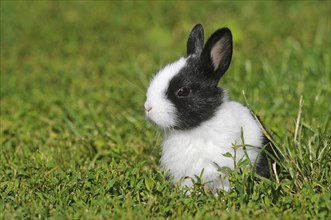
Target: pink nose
[148,108]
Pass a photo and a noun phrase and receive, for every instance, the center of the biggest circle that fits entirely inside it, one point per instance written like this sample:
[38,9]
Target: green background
[74,139]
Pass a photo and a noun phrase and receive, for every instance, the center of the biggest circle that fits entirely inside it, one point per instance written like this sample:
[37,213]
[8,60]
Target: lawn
[75,143]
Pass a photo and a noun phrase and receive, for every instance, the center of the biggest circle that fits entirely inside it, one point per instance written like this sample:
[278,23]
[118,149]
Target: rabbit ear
[195,40]
[217,53]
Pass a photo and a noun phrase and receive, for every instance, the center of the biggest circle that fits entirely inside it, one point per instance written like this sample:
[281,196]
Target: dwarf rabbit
[200,124]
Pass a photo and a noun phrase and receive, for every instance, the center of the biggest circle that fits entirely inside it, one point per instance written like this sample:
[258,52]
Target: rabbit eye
[183,92]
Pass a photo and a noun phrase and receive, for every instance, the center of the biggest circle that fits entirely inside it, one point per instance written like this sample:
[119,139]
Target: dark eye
[183,92]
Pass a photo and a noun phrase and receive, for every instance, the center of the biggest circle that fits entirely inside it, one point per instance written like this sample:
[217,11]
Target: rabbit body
[188,152]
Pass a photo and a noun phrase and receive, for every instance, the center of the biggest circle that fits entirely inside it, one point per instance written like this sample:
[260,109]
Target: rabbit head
[184,94]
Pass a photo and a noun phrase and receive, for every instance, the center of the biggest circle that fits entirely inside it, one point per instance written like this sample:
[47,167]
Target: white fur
[188,152]
[162,111]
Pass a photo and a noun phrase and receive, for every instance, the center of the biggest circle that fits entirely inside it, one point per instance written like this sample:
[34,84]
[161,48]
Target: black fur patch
[264,163]
[204,101]
[268,156]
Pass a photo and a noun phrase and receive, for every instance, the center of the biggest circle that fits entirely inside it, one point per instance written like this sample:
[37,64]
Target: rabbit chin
[161,120]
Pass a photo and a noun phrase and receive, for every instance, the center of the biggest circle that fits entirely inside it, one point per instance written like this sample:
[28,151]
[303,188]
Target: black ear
[195,40]
[217,53]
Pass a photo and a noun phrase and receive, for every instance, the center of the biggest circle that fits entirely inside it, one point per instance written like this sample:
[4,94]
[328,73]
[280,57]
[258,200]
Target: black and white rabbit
[199,122]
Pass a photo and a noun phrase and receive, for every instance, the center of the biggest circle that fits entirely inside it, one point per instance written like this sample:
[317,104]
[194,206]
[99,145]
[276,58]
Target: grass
[74,140]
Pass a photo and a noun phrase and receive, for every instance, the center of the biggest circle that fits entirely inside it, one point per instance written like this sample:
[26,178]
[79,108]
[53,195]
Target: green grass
[74,139]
